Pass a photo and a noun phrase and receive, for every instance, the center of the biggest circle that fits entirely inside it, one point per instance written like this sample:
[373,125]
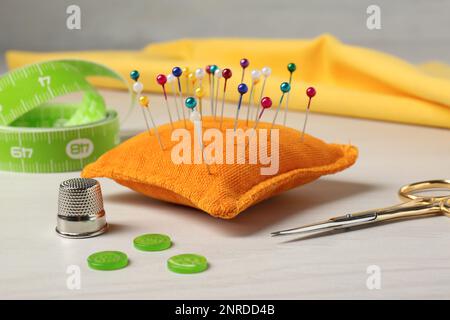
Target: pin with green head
[291,68]
[285,87]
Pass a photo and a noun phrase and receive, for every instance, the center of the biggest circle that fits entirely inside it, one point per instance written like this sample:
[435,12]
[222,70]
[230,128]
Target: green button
[187,263]
[152,242]
[107,260]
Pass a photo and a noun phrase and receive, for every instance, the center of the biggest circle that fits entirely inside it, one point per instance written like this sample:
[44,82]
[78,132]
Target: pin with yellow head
[144,102]
[200,93]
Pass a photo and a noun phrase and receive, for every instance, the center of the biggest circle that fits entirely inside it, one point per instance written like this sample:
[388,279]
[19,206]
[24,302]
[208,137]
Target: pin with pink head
[310,92]
[161,79]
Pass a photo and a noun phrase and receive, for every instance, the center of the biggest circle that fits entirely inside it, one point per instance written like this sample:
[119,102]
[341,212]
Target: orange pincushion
[222,190]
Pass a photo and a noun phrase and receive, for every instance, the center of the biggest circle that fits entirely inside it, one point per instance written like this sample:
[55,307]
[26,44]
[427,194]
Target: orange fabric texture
[224,190]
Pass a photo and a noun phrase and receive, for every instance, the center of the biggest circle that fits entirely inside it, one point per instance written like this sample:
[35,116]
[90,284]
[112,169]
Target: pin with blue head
[242,89]
[177,72]
[226,74]
[244,64]
[291,68]
[310,92]
[285,87]
[256,75]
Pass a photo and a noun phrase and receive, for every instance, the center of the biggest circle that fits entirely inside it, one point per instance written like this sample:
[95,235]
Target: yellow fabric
[228,189]
[350,80]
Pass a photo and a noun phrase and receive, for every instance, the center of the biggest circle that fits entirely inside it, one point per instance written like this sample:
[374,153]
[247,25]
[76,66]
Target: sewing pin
[212,70]
[266,103]
[177,72]
[217,75]
[226,74]
[186,76]
[199,75]
[208,71]
[285,87]
[291,68]
[200,93]
[256,75]
[192,80]
[143,100]
[266,72]
[244,64]
[242,89]
[171,79]
[161,80]
[137,86]
[310,92]
[196,119]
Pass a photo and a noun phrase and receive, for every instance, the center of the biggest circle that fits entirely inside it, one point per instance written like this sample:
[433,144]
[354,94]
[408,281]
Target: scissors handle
[408,191]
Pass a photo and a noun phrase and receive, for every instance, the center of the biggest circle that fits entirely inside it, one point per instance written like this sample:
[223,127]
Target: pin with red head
[310,92]
[266,103]
[161,79]
[226,74]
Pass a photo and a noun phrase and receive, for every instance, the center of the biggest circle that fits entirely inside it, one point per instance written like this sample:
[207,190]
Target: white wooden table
[413,256]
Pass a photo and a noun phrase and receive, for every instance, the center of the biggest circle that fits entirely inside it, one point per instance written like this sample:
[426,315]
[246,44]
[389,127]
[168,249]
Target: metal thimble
[80,209]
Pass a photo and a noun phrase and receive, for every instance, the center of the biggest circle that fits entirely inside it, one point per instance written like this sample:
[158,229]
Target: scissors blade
[348,220]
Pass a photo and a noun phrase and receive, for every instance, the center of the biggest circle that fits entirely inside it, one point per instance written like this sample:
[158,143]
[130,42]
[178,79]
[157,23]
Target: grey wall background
[415,30]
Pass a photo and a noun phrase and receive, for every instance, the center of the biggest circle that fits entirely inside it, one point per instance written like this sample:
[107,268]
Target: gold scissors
[415,205]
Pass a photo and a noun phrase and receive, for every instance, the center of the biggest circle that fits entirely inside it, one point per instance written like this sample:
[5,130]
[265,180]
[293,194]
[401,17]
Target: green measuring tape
[39,136]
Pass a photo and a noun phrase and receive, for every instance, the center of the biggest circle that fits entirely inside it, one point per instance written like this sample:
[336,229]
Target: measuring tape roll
[39,136]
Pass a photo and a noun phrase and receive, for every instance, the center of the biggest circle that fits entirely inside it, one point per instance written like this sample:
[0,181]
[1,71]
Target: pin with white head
[266,72]
[196,119]
[212,71]
[137,86]
[177,72]
[256,75]
[244,64]
[143,100]
[199,75]
[285,87]
[226,74]
[162,80]
[242,89]
[310,92]
[291,68]
[218,76]
[171,79]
